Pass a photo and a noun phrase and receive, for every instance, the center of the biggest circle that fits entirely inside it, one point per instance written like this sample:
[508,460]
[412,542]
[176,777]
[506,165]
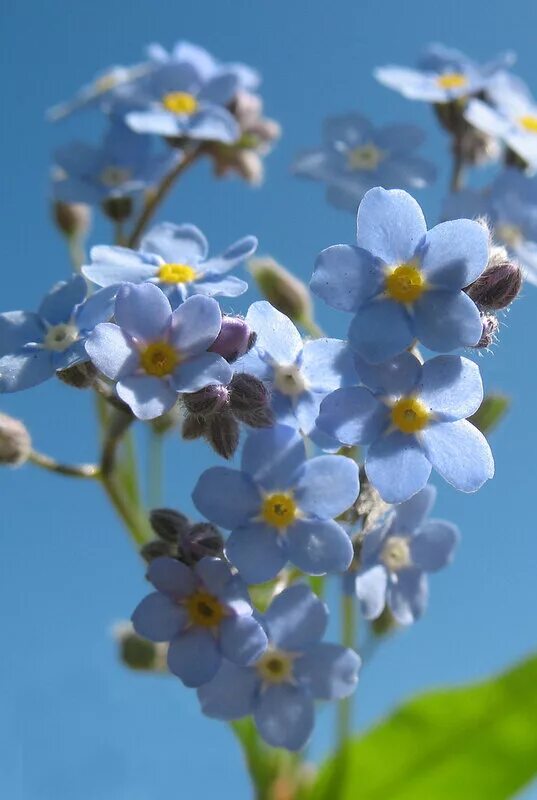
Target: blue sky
[74,723]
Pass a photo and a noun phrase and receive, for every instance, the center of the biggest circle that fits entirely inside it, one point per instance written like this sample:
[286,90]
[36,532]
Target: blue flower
[34,345]
[280,506]
[442,75]
[124,165]
[175,258]
[397,555]
[299,374]
[206,615]
[510,115]
[356,156]
[295,670]
[403,282]
[412,416]
[154,353]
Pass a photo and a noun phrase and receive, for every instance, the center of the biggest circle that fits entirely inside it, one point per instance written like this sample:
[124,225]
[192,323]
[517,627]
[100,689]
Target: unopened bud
[499,284]
[282,289]
[193,427]
[118,209]
[81,376]
[138,653]
[15,441]
[489,331]
[169,525]
[207,401]
[72,219]
[156,549]
[223,434]
[233,340]
[202,539]
[250,401]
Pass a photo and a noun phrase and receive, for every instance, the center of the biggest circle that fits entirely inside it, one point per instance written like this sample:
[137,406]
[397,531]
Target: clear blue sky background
[75,724]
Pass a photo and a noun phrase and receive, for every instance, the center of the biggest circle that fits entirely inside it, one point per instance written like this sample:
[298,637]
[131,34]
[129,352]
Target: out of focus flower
[413,417]
[153,353]
[280,506]
[34,345]
[206,615]
[282,289]
[356,156]
[403,282]
[175,258]
[279,690]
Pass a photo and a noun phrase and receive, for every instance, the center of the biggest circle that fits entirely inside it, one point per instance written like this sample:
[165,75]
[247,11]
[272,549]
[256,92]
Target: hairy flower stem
[69,470]
[348,639]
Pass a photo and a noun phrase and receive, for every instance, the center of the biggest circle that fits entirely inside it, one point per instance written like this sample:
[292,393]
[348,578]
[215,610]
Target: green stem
[77,254]
[70,470]
[154,468]
[348,639]
[137,525]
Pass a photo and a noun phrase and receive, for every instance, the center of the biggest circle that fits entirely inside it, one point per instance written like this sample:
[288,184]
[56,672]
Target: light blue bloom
[413,418]
[356,156]
[396,556]
[206,615]
[403,282]
[124,165]
[443,75]
[280,507]
[153,353]
[299,374]
[34,345]
[295,670]
[175,257]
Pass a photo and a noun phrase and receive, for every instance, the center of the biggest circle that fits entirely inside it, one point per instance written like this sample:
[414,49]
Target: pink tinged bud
[233,340]
[498,285]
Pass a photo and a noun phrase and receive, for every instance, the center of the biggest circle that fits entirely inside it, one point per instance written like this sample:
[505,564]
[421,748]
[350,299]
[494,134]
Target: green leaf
[490,412]
[477,742]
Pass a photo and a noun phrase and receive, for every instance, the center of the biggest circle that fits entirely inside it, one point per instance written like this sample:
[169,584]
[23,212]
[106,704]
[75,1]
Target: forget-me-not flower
[356,156]
[413,417]
[153,352]
[280,506]
[206,615]
[280,689]
[403,282]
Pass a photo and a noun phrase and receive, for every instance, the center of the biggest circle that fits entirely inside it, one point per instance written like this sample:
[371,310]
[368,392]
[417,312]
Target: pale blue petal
[460,453]
[158,618]
[25,369]
[176,244]
[232,257]
[143,311]
[99,307]
[18,328]
[193,657]
[148,397]
[412,513]
[399,138]
[296,618]
[397,467]
[272,456]
[213,124]
[319,546]
[257,551]
[214,572]
[112,265]
[252,363]
[195,325]
[220,287]
[411,83]
[242,640]
[398,376]
[329,671]
[277,337]
[327,486]
[390,225]
[345,277]
[58,305]
[220,88]
[407,598]
[112,351]
[371,586]
[352,129]
[353,416]
[327,364]
[159,122]
[433,546]
[284,716]
[203,370]
[451,387]
[230,694]
[226,497]
[455,253]
[171,577]
[447,320]
[381,330]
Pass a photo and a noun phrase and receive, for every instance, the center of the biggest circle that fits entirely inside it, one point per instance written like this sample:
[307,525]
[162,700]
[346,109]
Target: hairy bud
[72,219]
[488,334]
[156,549]
[282,289]
[250,401]
[15,441]
[223,434]
[81,376]
[233,340]
[181,539]
[202,539]
[193,427]
[499,284]
[169,525]
[207,401]
[118,209]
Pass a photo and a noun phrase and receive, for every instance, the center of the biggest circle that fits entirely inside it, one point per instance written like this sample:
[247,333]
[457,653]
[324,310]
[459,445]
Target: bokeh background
[75,724]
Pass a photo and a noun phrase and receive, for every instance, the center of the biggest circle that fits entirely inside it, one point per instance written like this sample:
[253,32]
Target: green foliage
[491,412]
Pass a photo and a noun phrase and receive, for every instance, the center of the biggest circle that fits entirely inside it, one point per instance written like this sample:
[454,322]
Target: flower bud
[72,219]
[499,284]
[488,334]
[223,434]
[156,549]
[193,427]
[207,401]
[282,289]
[138,653]
[15,441]
[202,539]
[250,401]
[118,209]
[169,525]
[81,376]
[233,340]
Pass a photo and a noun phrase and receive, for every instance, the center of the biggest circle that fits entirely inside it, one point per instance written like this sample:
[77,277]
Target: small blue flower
[510,115]
[299,374]
[124,165]
[34,345]
[412,416]
[153,353]
[403,282]
[279,690]
[206,615]
[397,555]
[280,507]
[442,75]
[175,257]
[356,156]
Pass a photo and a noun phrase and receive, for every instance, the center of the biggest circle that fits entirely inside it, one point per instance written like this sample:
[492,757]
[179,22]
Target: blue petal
[193,657]
[25,369]
[230,694]
[171,577]
[327,486]
[58,305]
[411,83]
[345,277]
[221,287]
[18,328]
[284,716]
[215,573]
[460,453]
[296,618]
[352,129]
[433,546]
[257,551]
[158,618]
[112,351]
[176,244]
[397,467]
[232,257]
[318,546]
[412,513]
[399,138]
[195,325]
[242,640]
[380,330]
[277,337]
[159,122]
[371,585]
[451,387]
[329,671]
[327,364]
[226,497]
[407,598]
[206,369]
[213,124]
[148,397]
[447,320]
[455,253]
[143,311]
[272,456]
[254,364]
[353,416]
[99,307]
[220,89]
[395,377]
[391,225]
[112,265]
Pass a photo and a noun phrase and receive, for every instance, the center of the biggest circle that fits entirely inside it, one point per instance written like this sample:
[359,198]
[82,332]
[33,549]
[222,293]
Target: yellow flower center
[409,415]
[364,157]
[60,337]
[406,283]
[275,666]
[204,609]
[279,509]
[180,103]
[395,554]
[159,359]
[176,273]
[452,80]
[510,234]
[529,123]
[115,176]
